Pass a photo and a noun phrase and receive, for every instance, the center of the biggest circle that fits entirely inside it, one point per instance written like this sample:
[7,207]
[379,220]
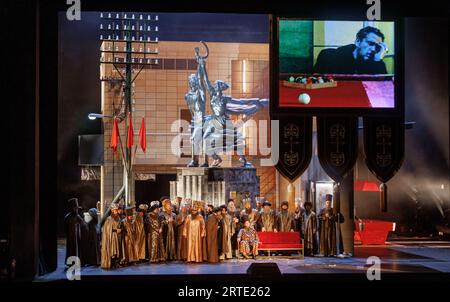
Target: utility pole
[128,43]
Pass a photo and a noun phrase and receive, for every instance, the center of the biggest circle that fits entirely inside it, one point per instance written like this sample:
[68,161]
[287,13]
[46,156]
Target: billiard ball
[304,98]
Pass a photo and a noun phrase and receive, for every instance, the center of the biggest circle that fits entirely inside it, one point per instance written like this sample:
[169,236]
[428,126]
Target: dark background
[30,223]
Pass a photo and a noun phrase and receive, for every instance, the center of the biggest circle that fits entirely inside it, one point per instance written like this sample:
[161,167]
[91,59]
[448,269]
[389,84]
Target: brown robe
[110,241]
[140,237]
[181,241]
[212,224]
[227,231]
[168,233]
[130,248]
[309,231]
[194,231]
[327,232]
[155,242]
[267,221]
[285,221]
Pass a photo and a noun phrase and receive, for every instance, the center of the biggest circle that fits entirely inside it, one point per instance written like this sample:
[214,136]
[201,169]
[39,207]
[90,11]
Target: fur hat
[329,197]
[143,207]
[284,203]
[129,211]
[152,208]
[266,203]
[161,200]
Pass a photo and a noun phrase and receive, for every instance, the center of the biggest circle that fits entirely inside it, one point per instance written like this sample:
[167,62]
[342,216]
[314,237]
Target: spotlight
[94,116]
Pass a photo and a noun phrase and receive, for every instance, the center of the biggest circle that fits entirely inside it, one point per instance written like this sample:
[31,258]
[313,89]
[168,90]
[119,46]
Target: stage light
[94,116]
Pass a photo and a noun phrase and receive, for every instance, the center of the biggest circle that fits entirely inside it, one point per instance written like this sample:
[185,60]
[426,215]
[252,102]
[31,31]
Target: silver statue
[217,126]
[195,100]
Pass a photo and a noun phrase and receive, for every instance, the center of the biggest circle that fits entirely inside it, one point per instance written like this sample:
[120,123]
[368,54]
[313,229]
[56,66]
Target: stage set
[211,145]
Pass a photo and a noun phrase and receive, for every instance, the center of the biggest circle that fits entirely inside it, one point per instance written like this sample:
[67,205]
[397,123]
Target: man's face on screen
[369,46]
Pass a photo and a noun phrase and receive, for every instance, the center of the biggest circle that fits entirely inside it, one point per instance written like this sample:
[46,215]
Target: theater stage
[407,257]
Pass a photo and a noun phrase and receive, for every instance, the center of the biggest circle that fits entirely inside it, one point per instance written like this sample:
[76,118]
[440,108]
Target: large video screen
[336,64]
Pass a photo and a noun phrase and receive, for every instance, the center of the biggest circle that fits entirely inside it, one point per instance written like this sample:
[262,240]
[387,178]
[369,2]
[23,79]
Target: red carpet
[346,94]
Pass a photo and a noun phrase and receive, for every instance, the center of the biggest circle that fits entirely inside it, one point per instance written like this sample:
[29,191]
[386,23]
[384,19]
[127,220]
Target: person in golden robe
[110,239]
[285,220]
[140,231]
[194,231]
[129,237]
[155,244]
[168,218]
[181,241]
[267,219]
[248,240]
[309,230]
[212,227]
[252,214]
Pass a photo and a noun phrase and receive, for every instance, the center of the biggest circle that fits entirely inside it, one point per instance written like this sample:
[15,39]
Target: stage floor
[396,257]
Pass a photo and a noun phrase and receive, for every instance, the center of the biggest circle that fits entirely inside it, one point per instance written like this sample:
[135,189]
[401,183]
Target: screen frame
[275,108]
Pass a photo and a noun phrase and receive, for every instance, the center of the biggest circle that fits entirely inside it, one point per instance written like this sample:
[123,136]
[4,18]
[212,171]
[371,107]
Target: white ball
[304,98]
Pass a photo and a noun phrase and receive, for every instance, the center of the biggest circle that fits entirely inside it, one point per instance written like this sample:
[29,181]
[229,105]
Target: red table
[346,94]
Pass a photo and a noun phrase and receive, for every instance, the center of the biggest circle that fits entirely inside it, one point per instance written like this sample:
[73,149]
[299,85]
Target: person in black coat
[365,56]
[74,225]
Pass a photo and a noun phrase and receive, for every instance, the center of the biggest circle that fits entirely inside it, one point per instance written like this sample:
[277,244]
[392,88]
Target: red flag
[142,136]
[114,136]
[130,135]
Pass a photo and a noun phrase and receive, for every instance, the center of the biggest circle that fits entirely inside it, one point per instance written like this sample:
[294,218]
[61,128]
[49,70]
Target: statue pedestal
[215,185]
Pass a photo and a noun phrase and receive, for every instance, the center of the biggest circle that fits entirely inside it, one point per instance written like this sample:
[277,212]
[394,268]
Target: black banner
[337,145]
[384,145]
[295,146]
